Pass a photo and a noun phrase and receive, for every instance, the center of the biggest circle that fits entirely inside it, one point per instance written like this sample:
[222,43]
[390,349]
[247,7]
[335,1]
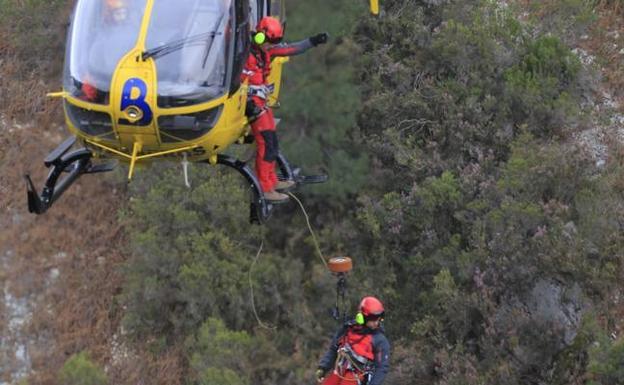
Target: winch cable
[259,252]
[251,289]
[341,287]
[314,239]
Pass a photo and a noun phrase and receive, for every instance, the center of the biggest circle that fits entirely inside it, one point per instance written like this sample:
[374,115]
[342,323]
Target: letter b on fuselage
[128,102]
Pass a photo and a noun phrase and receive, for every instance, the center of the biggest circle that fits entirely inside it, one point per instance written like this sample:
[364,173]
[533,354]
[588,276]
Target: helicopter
[148,80]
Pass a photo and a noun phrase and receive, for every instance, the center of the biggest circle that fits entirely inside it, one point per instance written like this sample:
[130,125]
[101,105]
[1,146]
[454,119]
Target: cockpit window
[196,70]
[102,32]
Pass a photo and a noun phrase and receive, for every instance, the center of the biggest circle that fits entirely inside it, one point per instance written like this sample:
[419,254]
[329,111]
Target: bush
[605,366]
[80,370]
[220,356]
[455,84]
[193,250]
[544,87]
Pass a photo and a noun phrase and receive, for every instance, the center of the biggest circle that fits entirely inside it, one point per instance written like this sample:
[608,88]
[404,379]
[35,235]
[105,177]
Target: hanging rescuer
[266,45]
[360,352]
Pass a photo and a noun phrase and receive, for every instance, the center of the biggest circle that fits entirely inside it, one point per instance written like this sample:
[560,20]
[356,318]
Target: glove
[321,38]
[320,374]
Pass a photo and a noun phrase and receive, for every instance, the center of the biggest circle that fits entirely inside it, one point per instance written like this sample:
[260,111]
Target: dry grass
[606,42]
[80,237]
[612,6]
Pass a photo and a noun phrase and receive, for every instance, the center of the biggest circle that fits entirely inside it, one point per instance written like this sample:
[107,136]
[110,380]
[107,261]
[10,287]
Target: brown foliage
[80,238]
[29,72]
[606,41]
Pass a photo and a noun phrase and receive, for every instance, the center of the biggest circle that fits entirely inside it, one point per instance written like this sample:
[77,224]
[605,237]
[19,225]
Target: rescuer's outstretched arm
[297,48]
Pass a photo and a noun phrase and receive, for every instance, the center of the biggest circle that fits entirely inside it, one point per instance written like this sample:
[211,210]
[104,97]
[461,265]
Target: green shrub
[605,366]
[461,85]
[80,370]
[544,87]
[220,356]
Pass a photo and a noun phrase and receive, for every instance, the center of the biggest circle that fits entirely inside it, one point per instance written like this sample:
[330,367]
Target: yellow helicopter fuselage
[138,124]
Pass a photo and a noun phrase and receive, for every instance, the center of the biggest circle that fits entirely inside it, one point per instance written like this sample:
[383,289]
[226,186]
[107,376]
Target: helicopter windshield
[196,69]
[102,32]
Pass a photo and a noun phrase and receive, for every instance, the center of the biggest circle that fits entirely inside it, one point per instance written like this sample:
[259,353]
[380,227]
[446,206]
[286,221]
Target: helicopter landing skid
[74,163]
[288,172]
[259,208]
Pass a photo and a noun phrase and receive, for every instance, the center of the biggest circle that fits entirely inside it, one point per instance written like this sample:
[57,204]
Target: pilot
[115,11]
[113,38]
[266,45]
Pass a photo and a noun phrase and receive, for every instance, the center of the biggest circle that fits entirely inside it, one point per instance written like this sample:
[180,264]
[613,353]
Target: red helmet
[371,306]
[116,10]
[272,28]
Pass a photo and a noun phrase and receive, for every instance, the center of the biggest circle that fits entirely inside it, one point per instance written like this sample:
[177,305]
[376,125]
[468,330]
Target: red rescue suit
[358,356]
[256,71]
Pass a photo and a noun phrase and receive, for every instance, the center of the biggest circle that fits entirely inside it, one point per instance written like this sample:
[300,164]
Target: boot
[284,185]
[275,197]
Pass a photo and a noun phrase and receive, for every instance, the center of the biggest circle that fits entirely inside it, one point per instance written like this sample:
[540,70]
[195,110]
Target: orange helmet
[114,4]
[371,307]
[271,28]
[116,10]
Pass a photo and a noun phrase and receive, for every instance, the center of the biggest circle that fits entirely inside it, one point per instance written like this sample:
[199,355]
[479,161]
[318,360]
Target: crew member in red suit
[267,45]
[360,352]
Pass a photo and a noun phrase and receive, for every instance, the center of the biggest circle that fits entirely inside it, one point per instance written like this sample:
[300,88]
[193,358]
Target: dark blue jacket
[381,349]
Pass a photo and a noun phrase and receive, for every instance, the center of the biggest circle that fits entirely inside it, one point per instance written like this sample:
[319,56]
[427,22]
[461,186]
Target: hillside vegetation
[476,181]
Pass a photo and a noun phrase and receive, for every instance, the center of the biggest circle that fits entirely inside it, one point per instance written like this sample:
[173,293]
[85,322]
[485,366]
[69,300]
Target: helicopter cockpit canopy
[102,32]
[190,42]
[197,72]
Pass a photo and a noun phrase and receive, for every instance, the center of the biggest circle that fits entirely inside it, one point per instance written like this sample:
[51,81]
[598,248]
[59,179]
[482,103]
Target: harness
[262,91]
[349,361]
[263,59]
[263,66]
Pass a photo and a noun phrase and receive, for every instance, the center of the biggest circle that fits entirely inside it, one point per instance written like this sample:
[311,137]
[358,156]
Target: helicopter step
[259,208]
[74,164]
[55,156]
[289,172]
